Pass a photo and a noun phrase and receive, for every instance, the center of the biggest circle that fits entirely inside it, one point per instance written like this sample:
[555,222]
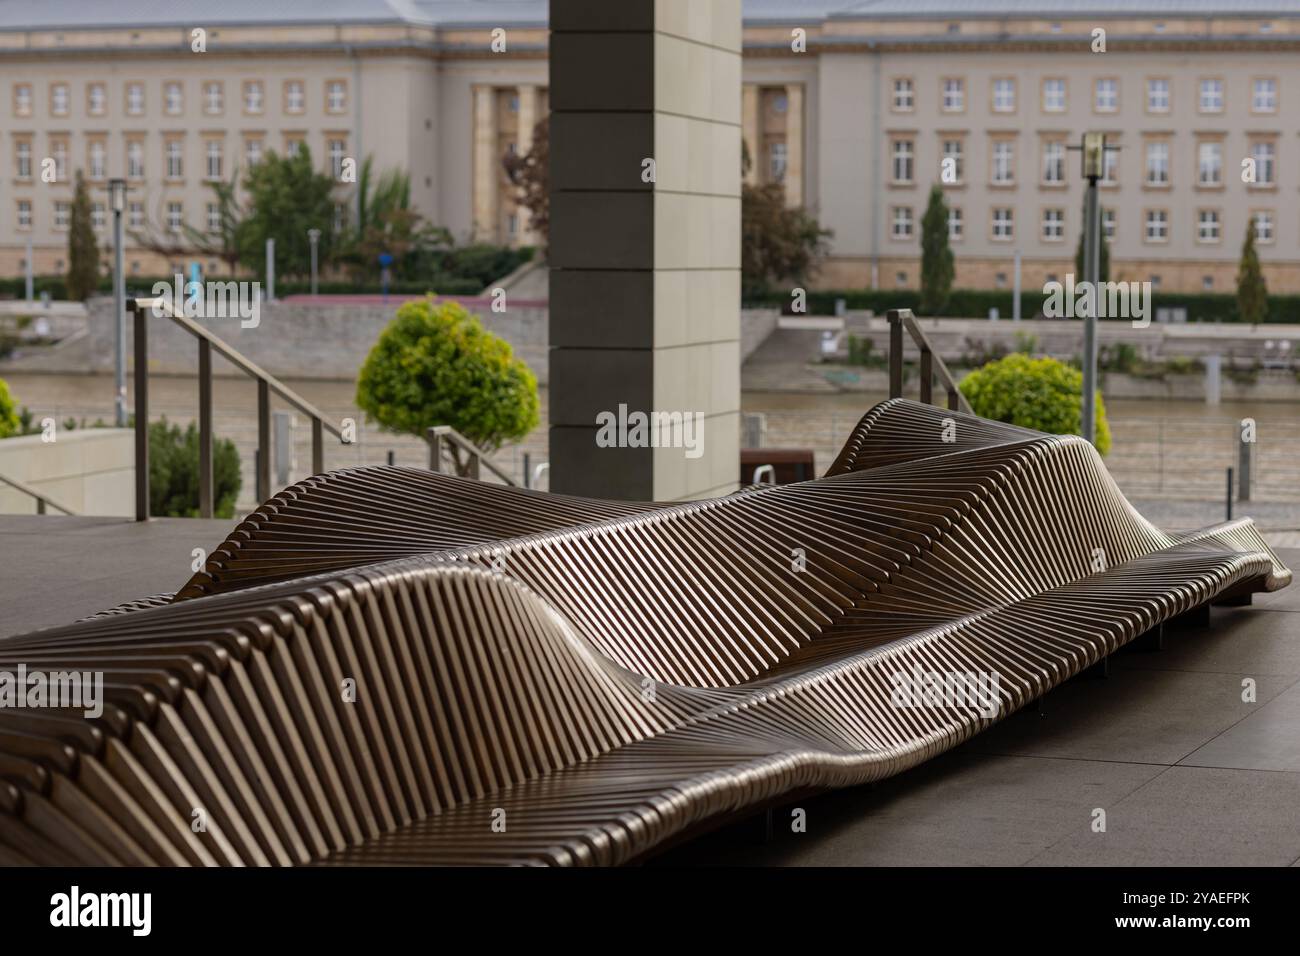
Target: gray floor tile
[1268,739]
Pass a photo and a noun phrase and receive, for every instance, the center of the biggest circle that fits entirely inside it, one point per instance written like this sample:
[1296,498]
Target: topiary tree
[1038,393]
[435,364]
[936,255]
[174,472]
[10,424]
[1252,292]
[83,251]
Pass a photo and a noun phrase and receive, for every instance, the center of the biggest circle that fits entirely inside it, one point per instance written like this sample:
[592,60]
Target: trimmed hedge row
[975,303]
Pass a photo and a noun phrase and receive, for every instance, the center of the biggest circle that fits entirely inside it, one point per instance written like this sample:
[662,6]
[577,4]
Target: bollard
[1228,499]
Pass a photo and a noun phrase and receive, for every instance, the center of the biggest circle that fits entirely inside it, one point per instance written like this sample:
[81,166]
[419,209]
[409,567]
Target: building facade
[858,109]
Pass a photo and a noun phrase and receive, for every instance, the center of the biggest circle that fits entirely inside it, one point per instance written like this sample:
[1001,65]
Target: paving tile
[1138,716]
[1193,816]
[1268,739]
[1246,640]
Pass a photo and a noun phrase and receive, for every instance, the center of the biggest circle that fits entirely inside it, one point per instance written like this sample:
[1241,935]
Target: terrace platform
[1187,773]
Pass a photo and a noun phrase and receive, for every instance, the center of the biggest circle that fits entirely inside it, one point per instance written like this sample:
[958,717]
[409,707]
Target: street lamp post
[1094,150]
[117,199]
[313,235]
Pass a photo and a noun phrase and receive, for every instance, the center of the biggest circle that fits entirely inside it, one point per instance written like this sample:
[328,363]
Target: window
[1207,283]
[24,214]
[1211,96]
[1157,225]
[1108,223]
[340,217]
[903,160]
[1209,164]
[96,160]
[1053,225]
[1004,166]
[1110,167]
[252,151]
[175,161]
[955,224]
[23,159]
[97,215]
[1158,95]
[62,213]
[135,159]
[173,99]
[952,150]
[96,99]
[23,99]
[1157,164]
[173,217]
[1263,152]
[1107,95]
[777,157]
[954,95]
[904,95]
[59,99]
[1263,226]
[1054,163]
[901,227]
[214,157]
[135,214]
[1054,95]
[1207,225]
[337,149]
[253,96]
[214,218]
[1004,95]
[295,100]
[1263,98]
[213,98]
[336,96]
[135,99]
[59,151]
[1004,224]
[292,145]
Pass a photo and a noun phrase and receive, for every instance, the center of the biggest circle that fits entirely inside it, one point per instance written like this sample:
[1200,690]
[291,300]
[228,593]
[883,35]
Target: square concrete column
[645,246]
[487,164]
[794,144]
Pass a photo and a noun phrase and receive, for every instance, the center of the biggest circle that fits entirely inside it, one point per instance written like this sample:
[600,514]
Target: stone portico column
[645,276]
[487,163]
[523,143]
[794,144]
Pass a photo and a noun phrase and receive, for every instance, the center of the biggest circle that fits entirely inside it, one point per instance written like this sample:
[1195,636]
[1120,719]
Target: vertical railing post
[927,374]
[263,439]
[954,400]
[205,429]
[435,449]
[40,506]
[1227,504]
[473,465]
[141,333]
[895,353]
[317,447]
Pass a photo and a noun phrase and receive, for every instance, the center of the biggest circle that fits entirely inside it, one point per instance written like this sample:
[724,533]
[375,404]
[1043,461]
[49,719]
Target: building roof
[98,14]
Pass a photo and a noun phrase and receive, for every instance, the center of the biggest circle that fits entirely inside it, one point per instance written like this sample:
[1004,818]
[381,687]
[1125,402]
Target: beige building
[853,106]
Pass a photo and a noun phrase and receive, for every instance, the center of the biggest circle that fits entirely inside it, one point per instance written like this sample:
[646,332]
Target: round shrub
[435,364]
[1038,393]
[9,423]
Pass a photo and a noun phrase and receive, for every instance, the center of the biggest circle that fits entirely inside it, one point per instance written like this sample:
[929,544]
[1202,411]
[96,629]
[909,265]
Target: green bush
[435,364]
[174,472]
[9,423]
[1042,394]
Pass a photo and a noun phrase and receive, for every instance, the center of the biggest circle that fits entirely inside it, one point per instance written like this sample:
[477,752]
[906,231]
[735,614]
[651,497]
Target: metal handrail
[266,384]
[42,499]
[931,363]
[440,436]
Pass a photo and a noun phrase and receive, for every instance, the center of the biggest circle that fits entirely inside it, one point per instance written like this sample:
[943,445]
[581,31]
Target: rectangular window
[295,99]
[954,95]
[1209,164]
[336,96]
[1107,95]
[292,145]
[1054,95]
[214,158]
[96,160]
[1054,163]
[59,152]
[24,214]
[135,99]
[214,98]
[1157,225]
[97,215]
[902,222]
[1263,226]
[96,99]
[135,214]
[1004,165]
[252,151]
[1004,224]
[954,161]
[214,218]
[1053,225]
[173,99]
[253,96]
[174,152]
[59,99]
[902,161]
[62,215]
[23,159]
[1004,95]
[1158,95]
[904,95]
[1110,167]
[173,217]
[1264,154]
[23,99]
[1108,223]
[777,158]
[1207,225]
[1211,100]
[135,159]
[1263,98]
[955,224]
[1157,164]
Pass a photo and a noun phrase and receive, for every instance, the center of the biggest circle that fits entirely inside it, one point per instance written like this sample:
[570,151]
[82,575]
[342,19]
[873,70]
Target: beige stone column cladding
[486,161]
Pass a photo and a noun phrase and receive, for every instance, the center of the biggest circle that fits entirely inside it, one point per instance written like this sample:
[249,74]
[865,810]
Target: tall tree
[1103,270]
[286,197]
[83,251]
[1252,292]
[936,255]
[778,242]
[530,174]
